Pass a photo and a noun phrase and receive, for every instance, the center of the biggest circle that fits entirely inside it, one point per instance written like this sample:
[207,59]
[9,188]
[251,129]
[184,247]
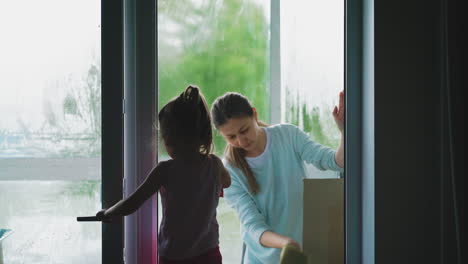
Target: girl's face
[241,132]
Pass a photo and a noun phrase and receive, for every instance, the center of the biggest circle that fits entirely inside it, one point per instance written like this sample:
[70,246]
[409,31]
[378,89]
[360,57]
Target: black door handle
[88,219]
[93,219]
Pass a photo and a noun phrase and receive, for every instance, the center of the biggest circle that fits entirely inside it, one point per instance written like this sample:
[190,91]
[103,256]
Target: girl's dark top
[190,195]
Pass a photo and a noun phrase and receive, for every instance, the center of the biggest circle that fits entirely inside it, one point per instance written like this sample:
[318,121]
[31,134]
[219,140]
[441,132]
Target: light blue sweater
[278,207]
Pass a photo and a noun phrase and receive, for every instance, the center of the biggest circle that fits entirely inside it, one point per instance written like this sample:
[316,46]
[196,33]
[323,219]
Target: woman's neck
[260,146]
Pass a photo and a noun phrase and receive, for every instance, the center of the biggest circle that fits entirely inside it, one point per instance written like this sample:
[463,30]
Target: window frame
[112,125]
[276,107]
[359,131]
[140,102]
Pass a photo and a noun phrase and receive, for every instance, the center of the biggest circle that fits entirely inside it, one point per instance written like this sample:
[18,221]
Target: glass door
[312,69]
[50,130]
[312,77]
[219,46]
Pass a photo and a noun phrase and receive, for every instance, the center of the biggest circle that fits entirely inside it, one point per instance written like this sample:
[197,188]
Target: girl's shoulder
[233,170]
[165,164]
[215,160]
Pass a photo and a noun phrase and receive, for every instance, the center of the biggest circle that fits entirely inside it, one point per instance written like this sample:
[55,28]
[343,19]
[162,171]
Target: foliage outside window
[221,46]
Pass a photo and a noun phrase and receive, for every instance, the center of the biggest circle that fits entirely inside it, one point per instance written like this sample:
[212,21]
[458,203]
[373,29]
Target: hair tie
[190,95]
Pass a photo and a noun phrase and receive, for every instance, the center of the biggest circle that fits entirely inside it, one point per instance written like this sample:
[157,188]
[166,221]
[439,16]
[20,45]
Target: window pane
[220,46]
[312,65]
[50,130]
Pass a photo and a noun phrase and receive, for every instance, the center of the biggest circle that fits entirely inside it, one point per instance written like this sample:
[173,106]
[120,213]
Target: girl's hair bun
[185,122]
[191,95]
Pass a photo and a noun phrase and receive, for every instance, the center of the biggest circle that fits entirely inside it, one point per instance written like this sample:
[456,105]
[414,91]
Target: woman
[266,164]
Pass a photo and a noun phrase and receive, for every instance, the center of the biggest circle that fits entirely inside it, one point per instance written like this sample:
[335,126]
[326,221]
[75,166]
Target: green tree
[219,46]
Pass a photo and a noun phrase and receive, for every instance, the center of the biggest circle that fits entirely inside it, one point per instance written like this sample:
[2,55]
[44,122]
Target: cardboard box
[323,237]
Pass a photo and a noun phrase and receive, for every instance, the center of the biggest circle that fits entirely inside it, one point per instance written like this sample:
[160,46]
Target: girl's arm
[151,185]
[274,240]
[224,177]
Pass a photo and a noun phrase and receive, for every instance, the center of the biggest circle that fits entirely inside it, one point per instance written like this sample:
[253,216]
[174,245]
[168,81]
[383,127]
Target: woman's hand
[275,240]
[339,116]
[292,242]
[339,113]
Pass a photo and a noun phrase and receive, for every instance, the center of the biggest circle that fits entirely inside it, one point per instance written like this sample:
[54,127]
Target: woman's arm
[238,198]
[253,222]
[339,116]
[339,154]
[322,157]
[275,240]
[151,185]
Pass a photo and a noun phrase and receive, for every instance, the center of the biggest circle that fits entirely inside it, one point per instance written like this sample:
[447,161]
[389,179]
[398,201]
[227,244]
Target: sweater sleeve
[238,198]
[322,157]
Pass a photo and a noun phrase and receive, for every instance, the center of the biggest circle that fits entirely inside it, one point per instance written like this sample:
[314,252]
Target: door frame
[112,125]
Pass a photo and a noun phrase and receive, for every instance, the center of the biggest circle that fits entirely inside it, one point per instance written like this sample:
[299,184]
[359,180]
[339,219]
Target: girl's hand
[101,215]
[339,113]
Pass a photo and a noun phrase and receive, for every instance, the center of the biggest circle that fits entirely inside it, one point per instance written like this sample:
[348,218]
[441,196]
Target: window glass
[50,130]
[312,68]
[220,46]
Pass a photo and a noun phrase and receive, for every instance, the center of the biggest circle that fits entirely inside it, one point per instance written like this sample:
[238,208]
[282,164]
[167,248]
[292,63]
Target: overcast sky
[41,42]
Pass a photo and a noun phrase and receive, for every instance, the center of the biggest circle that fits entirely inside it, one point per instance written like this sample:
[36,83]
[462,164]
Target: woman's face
[241,132]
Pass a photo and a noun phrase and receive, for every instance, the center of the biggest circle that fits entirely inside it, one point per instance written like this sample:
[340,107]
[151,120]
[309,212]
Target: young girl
[189,183]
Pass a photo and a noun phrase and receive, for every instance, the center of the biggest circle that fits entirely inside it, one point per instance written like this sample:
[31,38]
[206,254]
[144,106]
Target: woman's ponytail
[236,156]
